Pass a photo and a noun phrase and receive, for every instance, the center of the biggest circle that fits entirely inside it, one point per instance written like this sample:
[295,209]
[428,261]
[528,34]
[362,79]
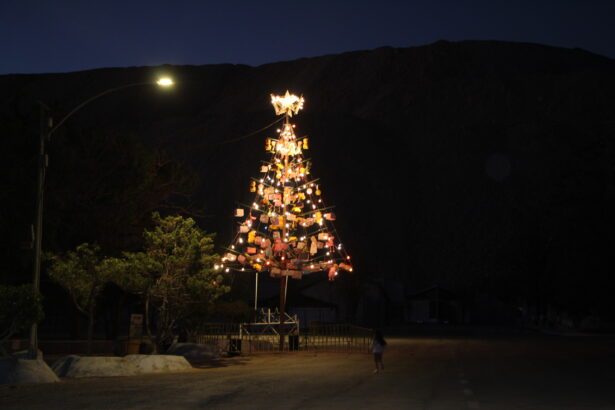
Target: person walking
[378,345]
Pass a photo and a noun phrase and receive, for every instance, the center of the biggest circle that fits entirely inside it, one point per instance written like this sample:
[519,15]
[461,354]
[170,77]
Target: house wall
[419,311]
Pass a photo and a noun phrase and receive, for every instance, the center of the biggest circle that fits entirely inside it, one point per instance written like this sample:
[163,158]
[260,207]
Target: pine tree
[287,230]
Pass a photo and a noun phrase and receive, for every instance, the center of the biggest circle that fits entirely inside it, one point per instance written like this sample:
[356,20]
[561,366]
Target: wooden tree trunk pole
[90,330]
[283,278]
[147,325]
[282,310]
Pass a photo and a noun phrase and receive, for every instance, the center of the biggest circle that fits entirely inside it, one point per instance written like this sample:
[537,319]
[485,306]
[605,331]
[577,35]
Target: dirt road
[420,373]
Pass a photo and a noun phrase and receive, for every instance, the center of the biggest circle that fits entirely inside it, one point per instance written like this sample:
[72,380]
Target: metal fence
[268,338]
[337,338]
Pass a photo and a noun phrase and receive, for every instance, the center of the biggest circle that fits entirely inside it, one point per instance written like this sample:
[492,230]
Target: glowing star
[287,104]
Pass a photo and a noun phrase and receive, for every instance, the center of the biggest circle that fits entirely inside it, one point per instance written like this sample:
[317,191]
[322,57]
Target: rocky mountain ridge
[470,164]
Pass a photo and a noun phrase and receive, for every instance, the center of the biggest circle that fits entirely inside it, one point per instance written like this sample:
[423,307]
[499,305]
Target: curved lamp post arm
[89,100]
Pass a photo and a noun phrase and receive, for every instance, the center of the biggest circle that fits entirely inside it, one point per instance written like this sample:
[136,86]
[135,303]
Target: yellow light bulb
[165,81]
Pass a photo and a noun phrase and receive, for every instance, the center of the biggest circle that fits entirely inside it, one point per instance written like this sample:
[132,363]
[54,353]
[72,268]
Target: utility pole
[45,126]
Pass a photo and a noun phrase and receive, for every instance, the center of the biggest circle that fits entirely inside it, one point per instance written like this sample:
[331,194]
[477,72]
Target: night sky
[40,36]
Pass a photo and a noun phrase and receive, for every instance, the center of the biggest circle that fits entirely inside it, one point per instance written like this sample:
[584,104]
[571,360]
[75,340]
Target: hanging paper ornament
[332,272]
[253,186]
[243,229]
[330,216]
[295,274]
[239,212]
[251,236]
[346,267]
[241,259]
[322,236]
[251,250]
[305,143]
[267,144]
[231,257]
[313,246]
[279,246]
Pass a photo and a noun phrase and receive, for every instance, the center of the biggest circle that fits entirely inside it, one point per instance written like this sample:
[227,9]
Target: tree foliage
[174,274]
[20,308]
[96,174]
[84,275]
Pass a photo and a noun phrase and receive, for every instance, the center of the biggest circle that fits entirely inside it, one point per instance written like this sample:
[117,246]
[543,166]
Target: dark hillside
[479,165]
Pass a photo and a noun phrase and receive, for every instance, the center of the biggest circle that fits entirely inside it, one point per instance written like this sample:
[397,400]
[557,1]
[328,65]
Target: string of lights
[287,230]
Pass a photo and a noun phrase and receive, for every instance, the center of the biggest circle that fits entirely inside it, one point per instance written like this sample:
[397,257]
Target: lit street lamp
[46,130]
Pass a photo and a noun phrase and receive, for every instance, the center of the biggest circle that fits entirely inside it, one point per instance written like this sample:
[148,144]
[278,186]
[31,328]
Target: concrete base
[25,371]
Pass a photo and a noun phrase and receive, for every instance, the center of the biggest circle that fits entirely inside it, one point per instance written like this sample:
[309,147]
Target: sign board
[136,326]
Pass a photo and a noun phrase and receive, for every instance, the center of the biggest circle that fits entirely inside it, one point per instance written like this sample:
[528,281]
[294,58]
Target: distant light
[165,82]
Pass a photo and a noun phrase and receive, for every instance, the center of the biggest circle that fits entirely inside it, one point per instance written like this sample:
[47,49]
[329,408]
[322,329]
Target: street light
[165,82]
[47,129]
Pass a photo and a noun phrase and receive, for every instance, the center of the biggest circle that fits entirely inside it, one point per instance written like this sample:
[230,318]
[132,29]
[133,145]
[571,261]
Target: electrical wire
[252,133]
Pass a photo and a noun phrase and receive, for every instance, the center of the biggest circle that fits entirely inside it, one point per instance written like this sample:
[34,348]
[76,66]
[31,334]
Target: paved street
[523,372]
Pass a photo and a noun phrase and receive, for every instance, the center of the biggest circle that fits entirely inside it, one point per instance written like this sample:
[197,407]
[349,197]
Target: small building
[310,310]
[433,305]
[311,299]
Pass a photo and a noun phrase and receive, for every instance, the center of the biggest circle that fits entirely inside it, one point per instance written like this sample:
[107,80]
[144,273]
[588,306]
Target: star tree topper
[287,104]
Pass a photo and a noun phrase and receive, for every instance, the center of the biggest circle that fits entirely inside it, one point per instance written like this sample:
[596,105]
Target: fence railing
[338,338]
[250,339]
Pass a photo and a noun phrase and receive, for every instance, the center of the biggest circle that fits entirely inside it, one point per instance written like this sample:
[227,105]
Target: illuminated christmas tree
[287,230]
